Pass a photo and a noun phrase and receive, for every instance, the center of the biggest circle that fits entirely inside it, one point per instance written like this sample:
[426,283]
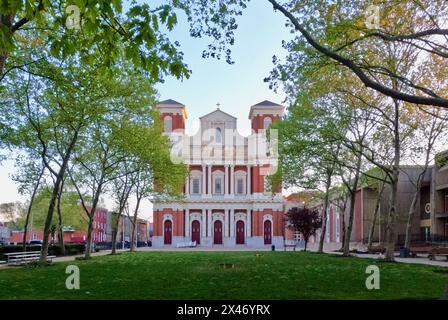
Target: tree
[97,160]
[431,127]
[52,116]
[306,155]
[10,213]
[304,221]
[29,178]
[341,26]
[316,80]
[342,32]
[82,27]
[122,188]
[143,188]
[375,179]
[71,213]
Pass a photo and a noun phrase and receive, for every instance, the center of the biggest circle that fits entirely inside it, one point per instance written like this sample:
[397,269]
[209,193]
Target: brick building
[430,222]
[226,199]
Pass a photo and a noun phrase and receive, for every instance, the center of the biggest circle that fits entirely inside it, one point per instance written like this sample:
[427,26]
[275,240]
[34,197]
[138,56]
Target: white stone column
[249,181]
[232,222]
[187,185]
[209,224]
[203,179]
[187,222]
[232,179]
[249,223]
[209,179]
[204,223]
[226,179]
[226,223]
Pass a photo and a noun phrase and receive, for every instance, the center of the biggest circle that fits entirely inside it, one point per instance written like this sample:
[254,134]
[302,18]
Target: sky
[235,87]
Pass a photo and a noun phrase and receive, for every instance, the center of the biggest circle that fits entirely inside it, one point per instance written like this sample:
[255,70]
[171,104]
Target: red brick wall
[178,120]
[257,222]
[258,121]
[178,222]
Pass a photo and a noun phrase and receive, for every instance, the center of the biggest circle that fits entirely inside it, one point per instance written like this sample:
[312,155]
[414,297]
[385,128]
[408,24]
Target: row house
[70,234]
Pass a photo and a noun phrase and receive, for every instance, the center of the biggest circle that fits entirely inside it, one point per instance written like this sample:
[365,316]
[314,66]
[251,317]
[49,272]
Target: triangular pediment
[217,114]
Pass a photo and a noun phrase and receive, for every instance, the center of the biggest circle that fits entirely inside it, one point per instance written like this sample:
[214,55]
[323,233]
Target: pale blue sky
[236,87]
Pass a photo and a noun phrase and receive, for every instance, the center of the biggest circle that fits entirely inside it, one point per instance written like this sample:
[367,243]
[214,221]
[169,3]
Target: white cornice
[262,110]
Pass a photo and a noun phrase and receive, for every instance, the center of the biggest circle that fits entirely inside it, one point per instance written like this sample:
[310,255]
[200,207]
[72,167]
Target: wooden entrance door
[217,235]
[239,232]
[167,234]
[196,231]
[267,232]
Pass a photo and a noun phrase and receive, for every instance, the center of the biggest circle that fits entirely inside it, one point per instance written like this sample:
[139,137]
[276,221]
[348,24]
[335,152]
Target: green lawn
[200,275]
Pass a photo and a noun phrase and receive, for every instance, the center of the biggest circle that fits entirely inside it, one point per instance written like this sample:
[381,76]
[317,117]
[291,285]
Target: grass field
[200,275]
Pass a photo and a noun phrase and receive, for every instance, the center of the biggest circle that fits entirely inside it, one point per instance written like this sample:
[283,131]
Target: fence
[423,238]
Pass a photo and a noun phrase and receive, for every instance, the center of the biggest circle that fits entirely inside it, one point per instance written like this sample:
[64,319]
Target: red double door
[217,232]
[240,232]
[167,232]
[267,232]
[196,231]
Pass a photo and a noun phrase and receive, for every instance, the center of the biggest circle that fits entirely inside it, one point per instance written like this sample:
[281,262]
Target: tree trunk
[418,187]
[343,225]
[49,218]
[324,215]
[30,206]
[306,245]
[114,242]
[407,240]
[375,215]
[353,189]
[54,194]
[348,230]
[115,227]
[91,217]
[390,228]
[60,230]
[133,227]
[89,238]
[134,224]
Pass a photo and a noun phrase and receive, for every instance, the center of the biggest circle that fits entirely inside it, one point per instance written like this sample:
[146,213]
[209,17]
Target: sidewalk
[71,258]
[332,248]
[417,260]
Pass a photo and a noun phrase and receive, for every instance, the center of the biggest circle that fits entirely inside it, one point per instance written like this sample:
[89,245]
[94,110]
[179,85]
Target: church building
[227,200]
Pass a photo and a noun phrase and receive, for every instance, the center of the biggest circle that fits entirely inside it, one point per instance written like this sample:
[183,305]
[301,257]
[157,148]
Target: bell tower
[173,115]
[264,113]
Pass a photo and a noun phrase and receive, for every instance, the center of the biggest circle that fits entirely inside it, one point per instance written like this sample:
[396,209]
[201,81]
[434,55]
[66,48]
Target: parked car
[35,242]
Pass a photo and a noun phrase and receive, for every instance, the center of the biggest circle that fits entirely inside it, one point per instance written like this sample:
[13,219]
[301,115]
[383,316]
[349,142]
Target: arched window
[168,123]
[218,135]
[267,122]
